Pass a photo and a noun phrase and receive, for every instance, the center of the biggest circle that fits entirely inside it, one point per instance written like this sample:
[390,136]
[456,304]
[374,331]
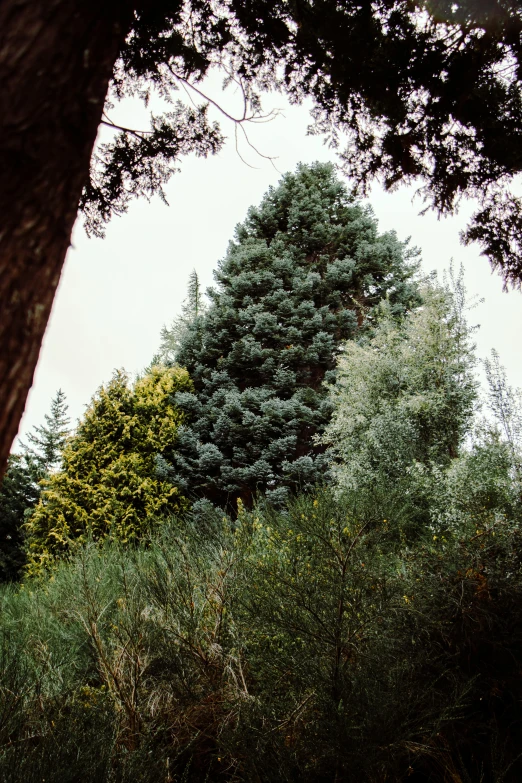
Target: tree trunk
[56,59]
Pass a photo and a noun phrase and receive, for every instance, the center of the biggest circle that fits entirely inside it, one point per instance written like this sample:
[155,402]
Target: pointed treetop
[192,308]
[48,441]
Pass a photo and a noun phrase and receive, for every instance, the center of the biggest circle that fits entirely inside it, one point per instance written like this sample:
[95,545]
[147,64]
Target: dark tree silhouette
[56,59]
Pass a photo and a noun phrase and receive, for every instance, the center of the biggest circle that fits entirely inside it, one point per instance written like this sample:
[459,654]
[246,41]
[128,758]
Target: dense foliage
[108,483]
[19,493]
[304,273]
[405,396]
[425,90]
[313,644]
[21,486]
[369,631]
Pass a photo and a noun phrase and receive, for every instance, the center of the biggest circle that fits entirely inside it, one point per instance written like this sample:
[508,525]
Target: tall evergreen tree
[304,273]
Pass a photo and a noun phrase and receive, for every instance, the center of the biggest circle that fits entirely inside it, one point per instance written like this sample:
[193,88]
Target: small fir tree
[108,484]
[48,441]
[192,309]
[304,273]
[21,486]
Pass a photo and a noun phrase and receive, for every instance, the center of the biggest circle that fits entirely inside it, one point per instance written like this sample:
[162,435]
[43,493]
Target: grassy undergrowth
[318,643]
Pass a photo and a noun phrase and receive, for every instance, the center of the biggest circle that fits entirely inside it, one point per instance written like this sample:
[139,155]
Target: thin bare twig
[253,117]
[110,124]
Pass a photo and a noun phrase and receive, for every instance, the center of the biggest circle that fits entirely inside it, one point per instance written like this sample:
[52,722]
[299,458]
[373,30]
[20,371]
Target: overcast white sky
[115,294]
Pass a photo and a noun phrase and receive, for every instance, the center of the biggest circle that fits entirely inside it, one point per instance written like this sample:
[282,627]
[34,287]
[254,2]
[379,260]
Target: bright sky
[115,294]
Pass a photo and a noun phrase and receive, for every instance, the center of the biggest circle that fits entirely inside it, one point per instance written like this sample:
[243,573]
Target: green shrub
[311,643]
[109,484]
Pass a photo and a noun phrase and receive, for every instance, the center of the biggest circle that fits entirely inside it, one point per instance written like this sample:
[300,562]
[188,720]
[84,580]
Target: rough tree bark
[56,59]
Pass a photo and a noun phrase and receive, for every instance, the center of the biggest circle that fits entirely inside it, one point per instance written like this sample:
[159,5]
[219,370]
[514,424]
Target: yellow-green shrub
[108,484]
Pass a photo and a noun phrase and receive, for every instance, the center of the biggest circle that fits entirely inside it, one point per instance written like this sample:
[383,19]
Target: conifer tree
[505,403]
[21,486]
[303,274]
[48,441]
[108,483]
[192,309]
[19,493]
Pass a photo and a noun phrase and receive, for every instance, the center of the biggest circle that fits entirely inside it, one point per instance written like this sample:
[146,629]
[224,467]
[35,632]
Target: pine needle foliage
[192,310]
[48,441]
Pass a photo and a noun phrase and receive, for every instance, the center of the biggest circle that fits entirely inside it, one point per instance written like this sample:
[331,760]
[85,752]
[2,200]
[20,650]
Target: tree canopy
[406,395]
[427,92]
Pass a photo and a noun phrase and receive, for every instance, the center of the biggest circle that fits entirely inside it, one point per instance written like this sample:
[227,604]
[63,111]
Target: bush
[313,643]
[109,484]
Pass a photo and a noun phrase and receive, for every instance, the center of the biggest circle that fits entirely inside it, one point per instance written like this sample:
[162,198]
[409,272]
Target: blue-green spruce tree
[303,274]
